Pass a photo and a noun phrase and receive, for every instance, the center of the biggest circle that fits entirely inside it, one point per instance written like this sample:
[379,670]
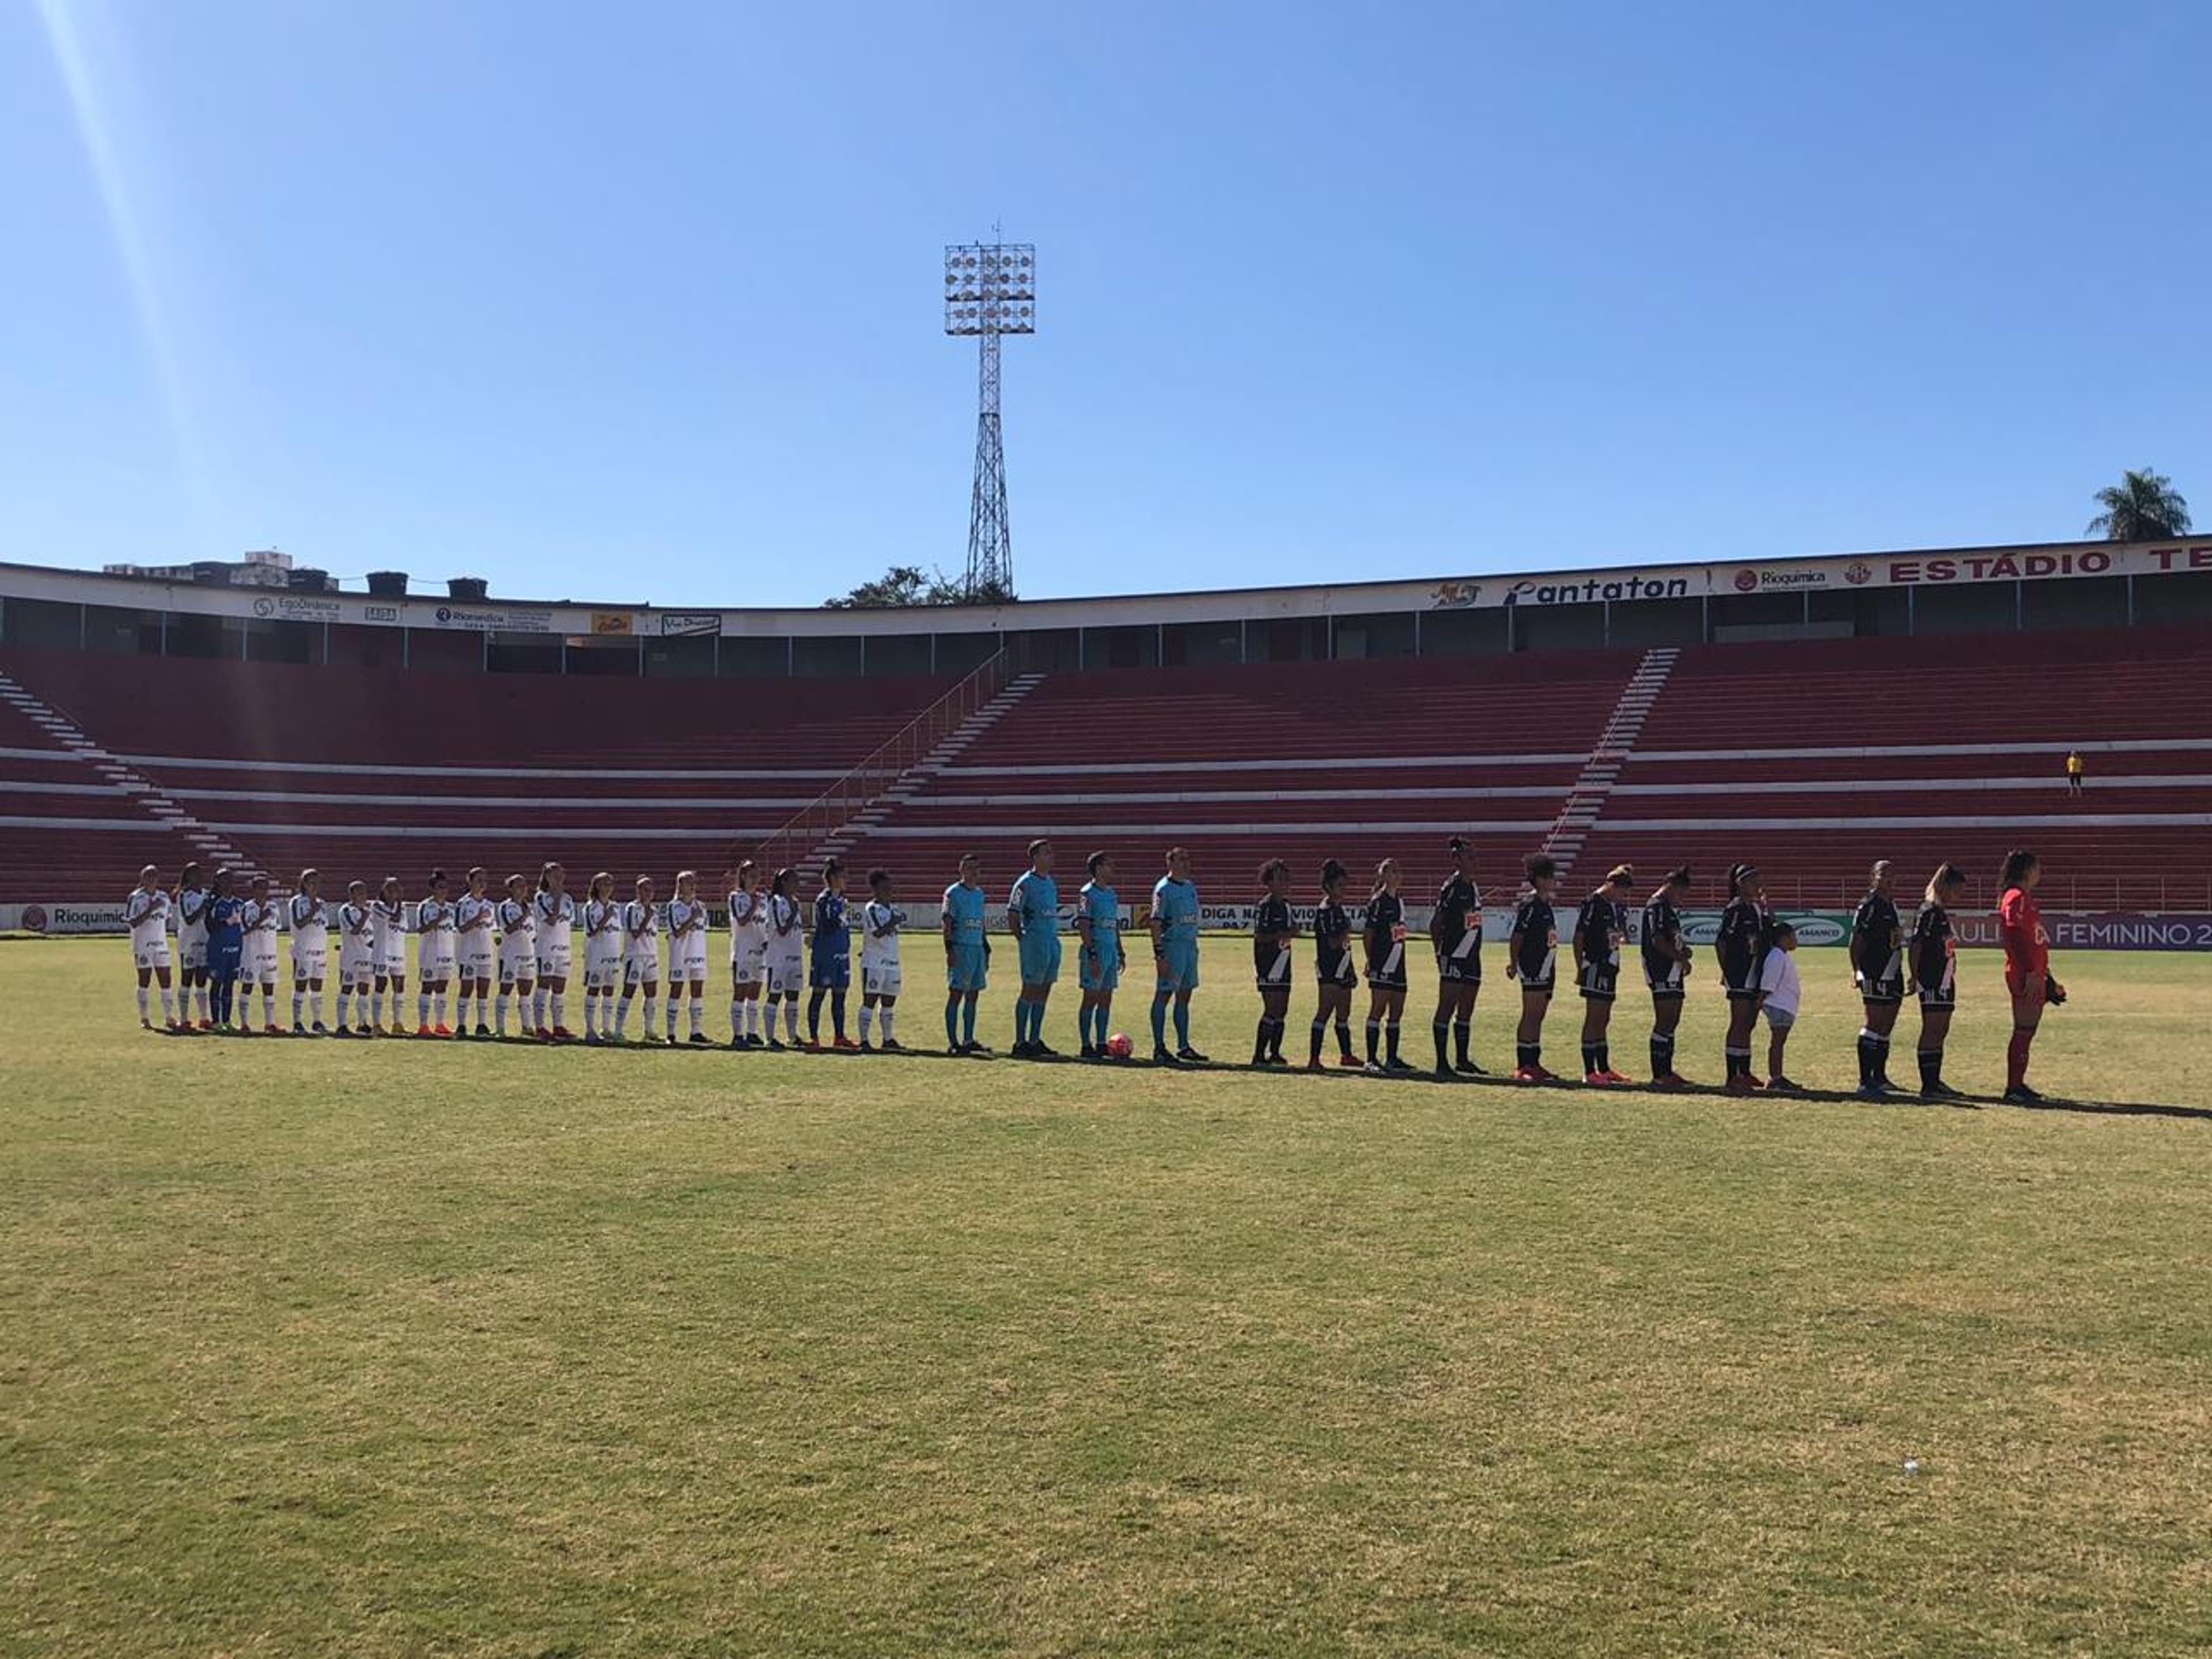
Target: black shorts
[1887,989]
[1393,980]
[1735,995]
[1336,970]
[1543,985]
[1597,981]
[1939,996]
[1666,988]
[1459,970]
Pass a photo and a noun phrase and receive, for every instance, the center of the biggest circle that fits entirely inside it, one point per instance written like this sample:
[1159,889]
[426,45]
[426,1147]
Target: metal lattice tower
[990,290]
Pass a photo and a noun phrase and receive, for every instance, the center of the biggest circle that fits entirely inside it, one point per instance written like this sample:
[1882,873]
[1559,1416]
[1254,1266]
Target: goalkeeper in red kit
[2028,968]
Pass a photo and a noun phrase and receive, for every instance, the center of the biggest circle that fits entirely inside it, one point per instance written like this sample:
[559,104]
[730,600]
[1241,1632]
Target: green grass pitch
[404,1349]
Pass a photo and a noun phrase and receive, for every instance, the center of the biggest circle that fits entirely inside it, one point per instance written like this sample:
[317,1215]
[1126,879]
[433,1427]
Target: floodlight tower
[990,290]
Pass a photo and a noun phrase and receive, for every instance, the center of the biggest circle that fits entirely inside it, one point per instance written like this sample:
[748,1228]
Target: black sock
[1390,1037]
[1344,1038]
[1866,1059]
[1461,1030]
[1528,1055]
[1260,1042]
[1373,1038]
[1735,1064]
[837,1011]
[1275,1036]
[1604,1057]
[814,1015]
[1662,1054]
[1440,1030]
[1589,1058]
[1880,1058]
[1931,1068]
[1320,1031]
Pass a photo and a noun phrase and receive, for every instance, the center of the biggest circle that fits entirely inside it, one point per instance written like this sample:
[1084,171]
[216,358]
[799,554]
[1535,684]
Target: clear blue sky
[639,301]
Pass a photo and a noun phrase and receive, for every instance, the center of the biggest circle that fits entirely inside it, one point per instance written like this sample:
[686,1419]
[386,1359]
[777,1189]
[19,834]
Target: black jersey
[1459,925]
[1745,934]
[1537,955]
[1934,955]
[1662,940]
[1877,936]
[1271,959]
[1386,933]
[1600,927]
[1333,943]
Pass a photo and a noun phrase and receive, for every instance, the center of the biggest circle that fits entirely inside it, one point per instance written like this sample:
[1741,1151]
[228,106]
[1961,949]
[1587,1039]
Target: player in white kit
[258,957]
[603,958]
[747,954]
[687,954]
[356,959]
[786,955]
[640,958]
[554,913]
[147,911]
[434,958]
[190,903]
[518,949]
[472,953]
[388,942]
[311,952]
[880,922]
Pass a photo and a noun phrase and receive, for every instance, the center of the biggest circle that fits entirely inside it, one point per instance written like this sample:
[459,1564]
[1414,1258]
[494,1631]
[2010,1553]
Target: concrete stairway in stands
[125,778]
[917,777]
[1579,814]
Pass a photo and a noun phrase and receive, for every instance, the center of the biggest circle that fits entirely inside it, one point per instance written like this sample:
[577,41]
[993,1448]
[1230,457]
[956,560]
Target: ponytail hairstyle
[2017,864]
[602,887]
[437,879]
[1271,869]
[1539,867]
[190,874]
[1332,872]
[545,874]
[1382,873]
[783,883]
[1946,876]
[746,867]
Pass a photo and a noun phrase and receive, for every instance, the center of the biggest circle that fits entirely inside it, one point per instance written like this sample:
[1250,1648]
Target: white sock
[790,1018]
[887,1022]
[674,997]
[315,1007]
[376,1007]
[461,1009]
[737,1018]
[868,1018]
[499,1012]
[650,1017]
[698,1017]
[422,1007]
[591,1013]
[537,1011]
[142,998]
[268,1005]
[558,1002]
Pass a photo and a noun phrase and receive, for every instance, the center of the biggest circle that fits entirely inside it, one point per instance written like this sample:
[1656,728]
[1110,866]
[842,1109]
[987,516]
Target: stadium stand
[1809,756]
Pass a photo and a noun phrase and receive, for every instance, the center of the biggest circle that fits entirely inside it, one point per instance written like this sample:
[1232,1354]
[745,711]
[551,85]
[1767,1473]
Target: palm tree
[2144,507]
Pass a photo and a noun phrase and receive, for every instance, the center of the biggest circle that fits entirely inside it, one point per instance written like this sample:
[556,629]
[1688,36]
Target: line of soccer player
[513,952]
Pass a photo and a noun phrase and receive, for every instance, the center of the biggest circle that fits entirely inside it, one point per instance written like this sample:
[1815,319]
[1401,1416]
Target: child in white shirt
[1779,990]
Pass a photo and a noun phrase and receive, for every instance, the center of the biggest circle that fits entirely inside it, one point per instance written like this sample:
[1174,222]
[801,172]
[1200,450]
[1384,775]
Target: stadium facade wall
[1874,594]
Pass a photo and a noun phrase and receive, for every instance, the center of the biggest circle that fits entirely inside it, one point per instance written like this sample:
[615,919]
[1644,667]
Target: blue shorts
[1039,959]
[1099,969]
[967,968]
[1178,965]
[829,972]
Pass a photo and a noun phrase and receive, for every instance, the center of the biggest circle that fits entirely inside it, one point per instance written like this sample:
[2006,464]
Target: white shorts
[310,959]
[750,968]
[356,968]
[257,966]
[689,964]
[434,961]
[641,967]
[787,975]
[191,947]
[879,979]
[391,957]
[553,965]
[602,970]
[475,961]
[154,953]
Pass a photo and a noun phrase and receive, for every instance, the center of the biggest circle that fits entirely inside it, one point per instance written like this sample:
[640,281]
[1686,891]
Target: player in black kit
[1666,966]
[1746,931]
[1273,930]
[1532,956]
[1600,929]
[1386,966]
[1335,977]
[1935,975]
[1878,968]
[1456,933]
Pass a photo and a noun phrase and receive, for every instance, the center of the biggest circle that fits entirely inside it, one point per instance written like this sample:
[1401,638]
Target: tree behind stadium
[909,585]
[2144,507]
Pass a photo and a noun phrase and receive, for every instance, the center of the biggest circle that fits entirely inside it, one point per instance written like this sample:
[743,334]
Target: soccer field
[399,1348]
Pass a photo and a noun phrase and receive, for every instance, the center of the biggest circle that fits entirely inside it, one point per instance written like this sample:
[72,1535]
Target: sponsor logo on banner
[2101,930]
[56,920]
[1456,596]
[380,613]
[687,623]
[1752,579]
[497,621]
[299,607]
[612,622]
[1813,927]
[1595,590]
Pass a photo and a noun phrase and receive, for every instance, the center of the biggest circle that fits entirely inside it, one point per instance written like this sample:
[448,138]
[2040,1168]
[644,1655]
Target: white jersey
[787,946]
[641,942]
[311,935]
[388,935]
[357,943]
[555,917]
[434,939]
[191,925]
[518,941]
[880,947]
[748,928]
[603,944]
[687,939]
[472,940]
[148,914]
[256,954]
